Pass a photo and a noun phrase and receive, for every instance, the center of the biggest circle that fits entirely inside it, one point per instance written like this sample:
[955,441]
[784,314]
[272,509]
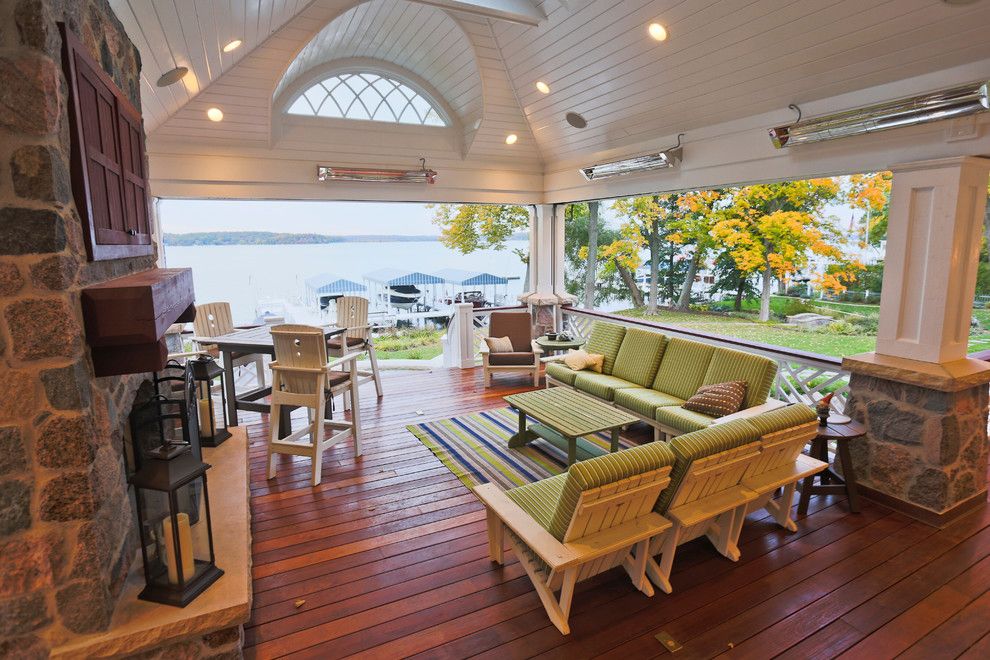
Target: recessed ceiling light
[172,76]
[658,31]
[511,138]
[543,87]
[576,120]
[233,45]
[215,114]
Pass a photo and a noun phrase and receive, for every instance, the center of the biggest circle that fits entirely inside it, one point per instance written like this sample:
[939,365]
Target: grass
[409,344]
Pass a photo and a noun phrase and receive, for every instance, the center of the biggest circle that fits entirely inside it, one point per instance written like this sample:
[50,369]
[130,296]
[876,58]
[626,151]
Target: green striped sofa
[651,375]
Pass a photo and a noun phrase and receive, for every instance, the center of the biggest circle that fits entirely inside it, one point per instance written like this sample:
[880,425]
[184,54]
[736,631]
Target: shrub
[868,325]
[840,328]
[793,306]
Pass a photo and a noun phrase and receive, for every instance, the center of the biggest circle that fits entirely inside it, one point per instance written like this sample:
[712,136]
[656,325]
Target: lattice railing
[801,377]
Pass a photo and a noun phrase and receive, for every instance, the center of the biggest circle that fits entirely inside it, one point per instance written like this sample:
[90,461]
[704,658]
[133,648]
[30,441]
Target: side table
[828,480]
[554,346]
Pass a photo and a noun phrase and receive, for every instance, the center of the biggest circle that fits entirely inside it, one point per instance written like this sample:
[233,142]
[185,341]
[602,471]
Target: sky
[181,216]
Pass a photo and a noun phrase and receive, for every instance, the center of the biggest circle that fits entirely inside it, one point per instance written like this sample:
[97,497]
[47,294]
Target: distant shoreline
[272,238]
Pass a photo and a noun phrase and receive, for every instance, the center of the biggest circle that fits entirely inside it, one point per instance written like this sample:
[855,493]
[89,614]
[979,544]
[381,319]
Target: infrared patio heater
[376,175]
[945,104]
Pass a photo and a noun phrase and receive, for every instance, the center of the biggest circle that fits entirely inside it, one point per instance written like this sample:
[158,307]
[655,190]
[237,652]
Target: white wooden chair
[352,313]
[781,464]
[302,376]
[213,320]
[602,517]
[706,497]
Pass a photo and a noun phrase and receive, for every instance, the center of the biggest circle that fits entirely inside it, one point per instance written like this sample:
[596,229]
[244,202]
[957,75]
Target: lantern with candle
[173,508]
[212,428]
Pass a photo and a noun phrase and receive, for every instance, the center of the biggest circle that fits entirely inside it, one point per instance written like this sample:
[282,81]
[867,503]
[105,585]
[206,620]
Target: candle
[185,548]
[207,427]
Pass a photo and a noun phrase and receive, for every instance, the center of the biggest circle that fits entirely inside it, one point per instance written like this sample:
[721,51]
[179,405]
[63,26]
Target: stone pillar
[546,267]
[924,403]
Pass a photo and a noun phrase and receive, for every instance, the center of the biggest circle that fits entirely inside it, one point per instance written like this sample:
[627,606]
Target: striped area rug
[475,448]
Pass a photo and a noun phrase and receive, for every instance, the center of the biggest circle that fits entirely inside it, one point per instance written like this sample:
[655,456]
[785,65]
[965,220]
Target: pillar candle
[207,427]
[185,548]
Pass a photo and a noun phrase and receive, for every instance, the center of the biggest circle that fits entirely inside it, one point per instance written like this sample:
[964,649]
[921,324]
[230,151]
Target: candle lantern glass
[212,425]
[173,508]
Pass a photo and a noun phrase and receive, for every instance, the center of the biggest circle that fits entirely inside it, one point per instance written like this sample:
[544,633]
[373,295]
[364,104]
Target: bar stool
[352,313]
[828,480]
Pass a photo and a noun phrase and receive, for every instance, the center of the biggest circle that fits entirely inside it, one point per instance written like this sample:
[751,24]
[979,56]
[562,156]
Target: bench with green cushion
[605,340]
[635,365]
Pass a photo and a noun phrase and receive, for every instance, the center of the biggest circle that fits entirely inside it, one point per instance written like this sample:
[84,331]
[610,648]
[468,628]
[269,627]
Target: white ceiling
[724,59]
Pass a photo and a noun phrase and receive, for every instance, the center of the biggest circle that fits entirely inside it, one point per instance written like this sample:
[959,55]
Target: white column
[541,262]
[933,244]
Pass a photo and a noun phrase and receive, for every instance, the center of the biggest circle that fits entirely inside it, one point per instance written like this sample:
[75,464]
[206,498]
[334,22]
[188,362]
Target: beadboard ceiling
[723,60]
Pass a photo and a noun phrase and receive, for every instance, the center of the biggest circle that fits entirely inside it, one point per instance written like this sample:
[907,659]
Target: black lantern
[173,509]
[212,429]
[166,425]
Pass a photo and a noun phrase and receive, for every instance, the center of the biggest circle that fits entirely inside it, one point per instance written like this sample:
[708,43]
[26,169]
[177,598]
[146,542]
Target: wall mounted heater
[657,161]
[945,104]
[364,174]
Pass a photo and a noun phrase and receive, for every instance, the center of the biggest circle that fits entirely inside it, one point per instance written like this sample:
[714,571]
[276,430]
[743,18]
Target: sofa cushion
[561,372]
[605,339]
[758,372]
[683,420]
[639,356]
[718,400]
[782,418]
[600,385]
[644,401]
[602,470]
[539,499]
[511,359]
[683,367]
[579,360]
[699,444]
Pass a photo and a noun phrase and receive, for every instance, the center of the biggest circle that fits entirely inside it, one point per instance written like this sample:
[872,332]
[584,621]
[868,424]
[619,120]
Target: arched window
[368,96]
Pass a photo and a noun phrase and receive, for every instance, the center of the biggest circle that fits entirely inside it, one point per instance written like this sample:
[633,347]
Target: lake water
[245,274]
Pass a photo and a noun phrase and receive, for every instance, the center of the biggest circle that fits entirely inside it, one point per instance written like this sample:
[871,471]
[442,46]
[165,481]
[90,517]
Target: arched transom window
[367,96]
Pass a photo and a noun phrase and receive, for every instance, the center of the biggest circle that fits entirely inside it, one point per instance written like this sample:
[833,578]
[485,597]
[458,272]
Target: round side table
[558,346]
[828,480]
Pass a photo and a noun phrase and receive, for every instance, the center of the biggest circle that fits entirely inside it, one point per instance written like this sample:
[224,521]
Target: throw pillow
[579,360]
[718,400]
[499,344]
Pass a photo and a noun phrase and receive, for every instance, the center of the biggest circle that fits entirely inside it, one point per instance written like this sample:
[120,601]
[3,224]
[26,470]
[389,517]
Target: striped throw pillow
[499,344]
[718,400]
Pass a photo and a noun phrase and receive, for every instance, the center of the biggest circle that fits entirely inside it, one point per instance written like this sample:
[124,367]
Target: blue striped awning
[470,277]
[395,277]
[326,283]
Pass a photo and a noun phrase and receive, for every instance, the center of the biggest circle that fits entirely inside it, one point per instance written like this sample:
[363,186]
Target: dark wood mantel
[126,318]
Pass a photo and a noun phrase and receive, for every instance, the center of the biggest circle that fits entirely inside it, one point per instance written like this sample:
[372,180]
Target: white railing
[802,377]
[467,329]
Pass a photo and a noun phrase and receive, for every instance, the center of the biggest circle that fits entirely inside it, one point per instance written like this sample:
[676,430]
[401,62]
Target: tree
[608,281]
[470,227]
[647,219]
[701,210]
[871,194]
[772,229]
[729,278]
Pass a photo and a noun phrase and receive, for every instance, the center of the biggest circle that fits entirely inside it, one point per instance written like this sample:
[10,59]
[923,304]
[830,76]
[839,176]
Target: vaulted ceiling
[723,60]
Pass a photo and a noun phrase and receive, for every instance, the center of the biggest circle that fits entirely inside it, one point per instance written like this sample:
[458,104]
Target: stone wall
[923,446]
[66,537]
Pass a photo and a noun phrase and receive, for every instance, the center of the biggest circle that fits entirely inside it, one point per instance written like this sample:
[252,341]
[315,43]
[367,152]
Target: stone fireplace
[66,530]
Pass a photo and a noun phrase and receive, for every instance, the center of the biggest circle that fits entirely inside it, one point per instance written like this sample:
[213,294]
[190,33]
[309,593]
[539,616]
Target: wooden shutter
[109,180]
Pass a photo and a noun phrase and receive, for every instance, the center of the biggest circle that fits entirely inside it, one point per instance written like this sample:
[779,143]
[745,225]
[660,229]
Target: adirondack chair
[567,528]
[352,313]
[302,376]
[784,434]
[214,319]
[705,496]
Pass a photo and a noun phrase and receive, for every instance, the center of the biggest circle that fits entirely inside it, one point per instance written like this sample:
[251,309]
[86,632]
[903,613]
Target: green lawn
[409,344]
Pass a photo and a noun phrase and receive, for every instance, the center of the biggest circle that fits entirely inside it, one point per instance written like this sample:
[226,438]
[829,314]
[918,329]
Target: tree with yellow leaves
[702,209]
[470,227]
[870,193]
[773,229]
[647,221]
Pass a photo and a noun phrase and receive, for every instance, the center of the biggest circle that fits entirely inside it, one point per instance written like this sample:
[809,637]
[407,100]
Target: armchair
[525,354]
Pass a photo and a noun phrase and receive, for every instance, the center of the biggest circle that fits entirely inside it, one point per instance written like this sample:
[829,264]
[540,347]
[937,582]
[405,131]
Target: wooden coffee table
[563,416]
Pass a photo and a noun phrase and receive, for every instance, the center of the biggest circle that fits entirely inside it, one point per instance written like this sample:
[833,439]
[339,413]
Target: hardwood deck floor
[389,555]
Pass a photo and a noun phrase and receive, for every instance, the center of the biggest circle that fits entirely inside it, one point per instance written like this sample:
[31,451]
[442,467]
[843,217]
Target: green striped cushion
[643,401]
[756,370]
[782,418]
[603,470]
[692,446]
[639,356]
[561,372]
[683,420]
[683,367]
[606,338]
[600,385]
[539,499]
